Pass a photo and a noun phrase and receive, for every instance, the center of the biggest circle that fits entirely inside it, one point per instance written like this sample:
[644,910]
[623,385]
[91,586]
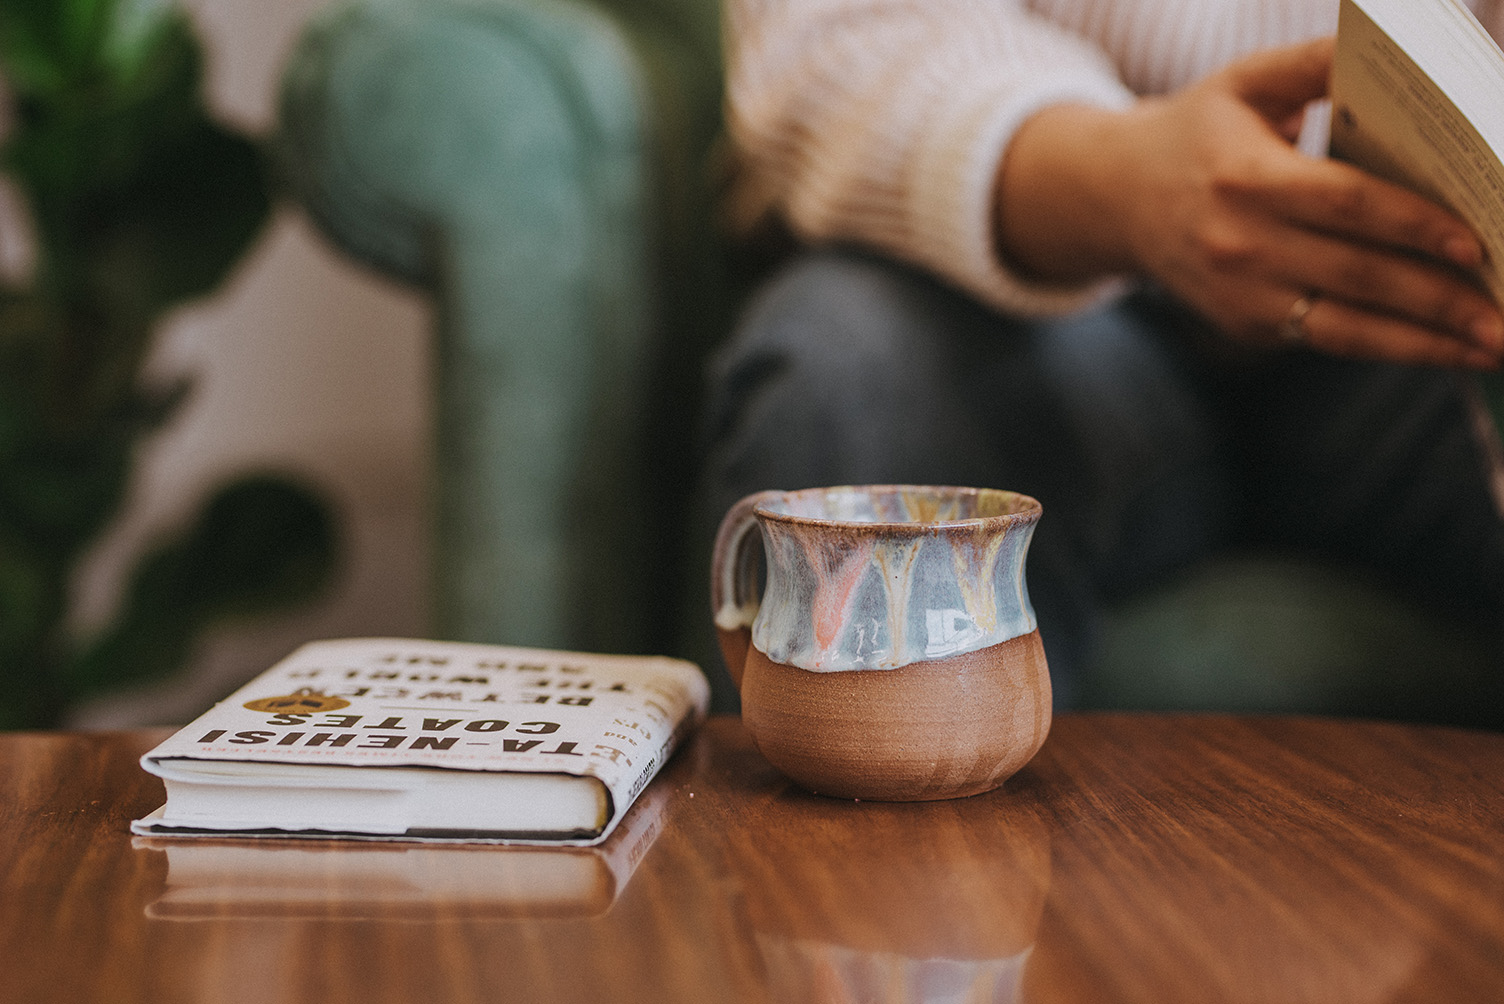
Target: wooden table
[1138,858]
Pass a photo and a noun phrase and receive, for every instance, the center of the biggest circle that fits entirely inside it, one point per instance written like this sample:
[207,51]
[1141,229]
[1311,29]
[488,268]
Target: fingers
[1329,195]
[1401,286]
[1280,82]
[1379,252]
[1342,200]
[1342,329]
[1352,300]
[1282,316]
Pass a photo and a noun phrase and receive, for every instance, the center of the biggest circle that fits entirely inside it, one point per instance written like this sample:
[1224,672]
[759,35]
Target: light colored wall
[303,362]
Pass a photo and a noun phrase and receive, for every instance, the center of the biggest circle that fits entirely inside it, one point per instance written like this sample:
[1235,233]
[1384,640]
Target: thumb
[1279,83]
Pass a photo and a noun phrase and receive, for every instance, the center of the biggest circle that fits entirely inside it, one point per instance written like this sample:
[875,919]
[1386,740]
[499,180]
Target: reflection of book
[418,740]
[215,879]
[1416,99]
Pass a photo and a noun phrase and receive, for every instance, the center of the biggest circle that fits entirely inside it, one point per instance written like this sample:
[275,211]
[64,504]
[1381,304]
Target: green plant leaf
[138,200]
[177,229]
[262,543]
[45,44]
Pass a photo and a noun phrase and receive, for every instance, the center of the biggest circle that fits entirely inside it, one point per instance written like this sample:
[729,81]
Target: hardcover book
[396,739]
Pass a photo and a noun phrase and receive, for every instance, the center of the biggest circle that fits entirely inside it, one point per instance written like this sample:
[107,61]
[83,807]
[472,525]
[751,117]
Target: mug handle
[734,564]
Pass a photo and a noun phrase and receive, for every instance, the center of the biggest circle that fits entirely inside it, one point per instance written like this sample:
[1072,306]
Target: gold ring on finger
[1292,330]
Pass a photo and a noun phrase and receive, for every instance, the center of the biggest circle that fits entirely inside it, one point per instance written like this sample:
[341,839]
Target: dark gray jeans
[1151,445]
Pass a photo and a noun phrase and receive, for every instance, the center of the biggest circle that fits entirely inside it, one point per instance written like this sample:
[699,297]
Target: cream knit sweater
[882,122]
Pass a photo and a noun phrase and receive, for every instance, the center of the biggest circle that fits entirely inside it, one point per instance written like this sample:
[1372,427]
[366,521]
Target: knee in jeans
[846,311]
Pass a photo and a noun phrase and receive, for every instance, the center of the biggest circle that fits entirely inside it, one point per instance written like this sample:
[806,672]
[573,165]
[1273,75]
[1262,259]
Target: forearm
[883,125]
[1057,205]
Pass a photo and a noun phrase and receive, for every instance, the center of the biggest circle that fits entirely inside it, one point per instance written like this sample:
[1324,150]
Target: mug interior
[898,504]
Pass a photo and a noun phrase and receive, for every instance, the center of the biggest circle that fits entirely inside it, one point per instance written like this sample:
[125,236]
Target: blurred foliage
[138,201]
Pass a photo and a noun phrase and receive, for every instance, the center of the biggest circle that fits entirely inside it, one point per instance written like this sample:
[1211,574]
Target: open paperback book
[1416,99]
[1416,89]
[398,739]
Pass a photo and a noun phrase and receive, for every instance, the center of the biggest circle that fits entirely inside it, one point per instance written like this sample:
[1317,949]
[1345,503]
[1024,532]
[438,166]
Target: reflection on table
[1138,858]
[214,878]
[836,919]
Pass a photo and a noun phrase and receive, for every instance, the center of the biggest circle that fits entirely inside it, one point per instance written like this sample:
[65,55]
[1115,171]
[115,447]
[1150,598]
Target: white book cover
[384,738]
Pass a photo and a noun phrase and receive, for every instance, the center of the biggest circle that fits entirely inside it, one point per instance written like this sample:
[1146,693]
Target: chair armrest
[495,154]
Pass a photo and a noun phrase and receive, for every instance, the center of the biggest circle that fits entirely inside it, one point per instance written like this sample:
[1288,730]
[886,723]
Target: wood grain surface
[1137,858]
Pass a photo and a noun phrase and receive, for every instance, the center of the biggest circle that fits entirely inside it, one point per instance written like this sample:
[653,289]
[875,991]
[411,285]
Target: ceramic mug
[893,653]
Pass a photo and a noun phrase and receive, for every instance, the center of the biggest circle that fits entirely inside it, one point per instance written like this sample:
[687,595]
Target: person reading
[1091,250]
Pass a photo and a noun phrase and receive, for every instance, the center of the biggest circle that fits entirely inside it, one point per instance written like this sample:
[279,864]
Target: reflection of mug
[893,653]
[838,915]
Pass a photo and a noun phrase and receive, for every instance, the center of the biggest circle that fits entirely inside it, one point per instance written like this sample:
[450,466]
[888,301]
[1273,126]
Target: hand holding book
[1205,191]
[1416,87]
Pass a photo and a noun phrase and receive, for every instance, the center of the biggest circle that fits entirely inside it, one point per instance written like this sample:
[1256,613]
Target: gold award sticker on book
[304,701]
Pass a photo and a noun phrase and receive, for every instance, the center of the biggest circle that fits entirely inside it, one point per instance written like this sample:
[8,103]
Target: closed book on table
[397,739]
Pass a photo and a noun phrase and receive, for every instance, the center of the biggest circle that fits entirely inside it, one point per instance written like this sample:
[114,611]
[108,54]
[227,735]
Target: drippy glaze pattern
[881,577]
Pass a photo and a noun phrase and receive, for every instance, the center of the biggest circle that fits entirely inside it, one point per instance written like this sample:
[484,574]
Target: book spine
[686,724]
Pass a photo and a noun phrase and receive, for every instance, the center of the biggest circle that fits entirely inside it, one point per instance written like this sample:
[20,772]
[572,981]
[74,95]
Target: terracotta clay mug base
[945,728]
[881,636]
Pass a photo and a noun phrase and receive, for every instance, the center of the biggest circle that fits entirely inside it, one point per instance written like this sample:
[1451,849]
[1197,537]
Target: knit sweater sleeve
[883,123]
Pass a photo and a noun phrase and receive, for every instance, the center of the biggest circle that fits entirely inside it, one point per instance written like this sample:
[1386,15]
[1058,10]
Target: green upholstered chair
[538,168]
[543,169]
